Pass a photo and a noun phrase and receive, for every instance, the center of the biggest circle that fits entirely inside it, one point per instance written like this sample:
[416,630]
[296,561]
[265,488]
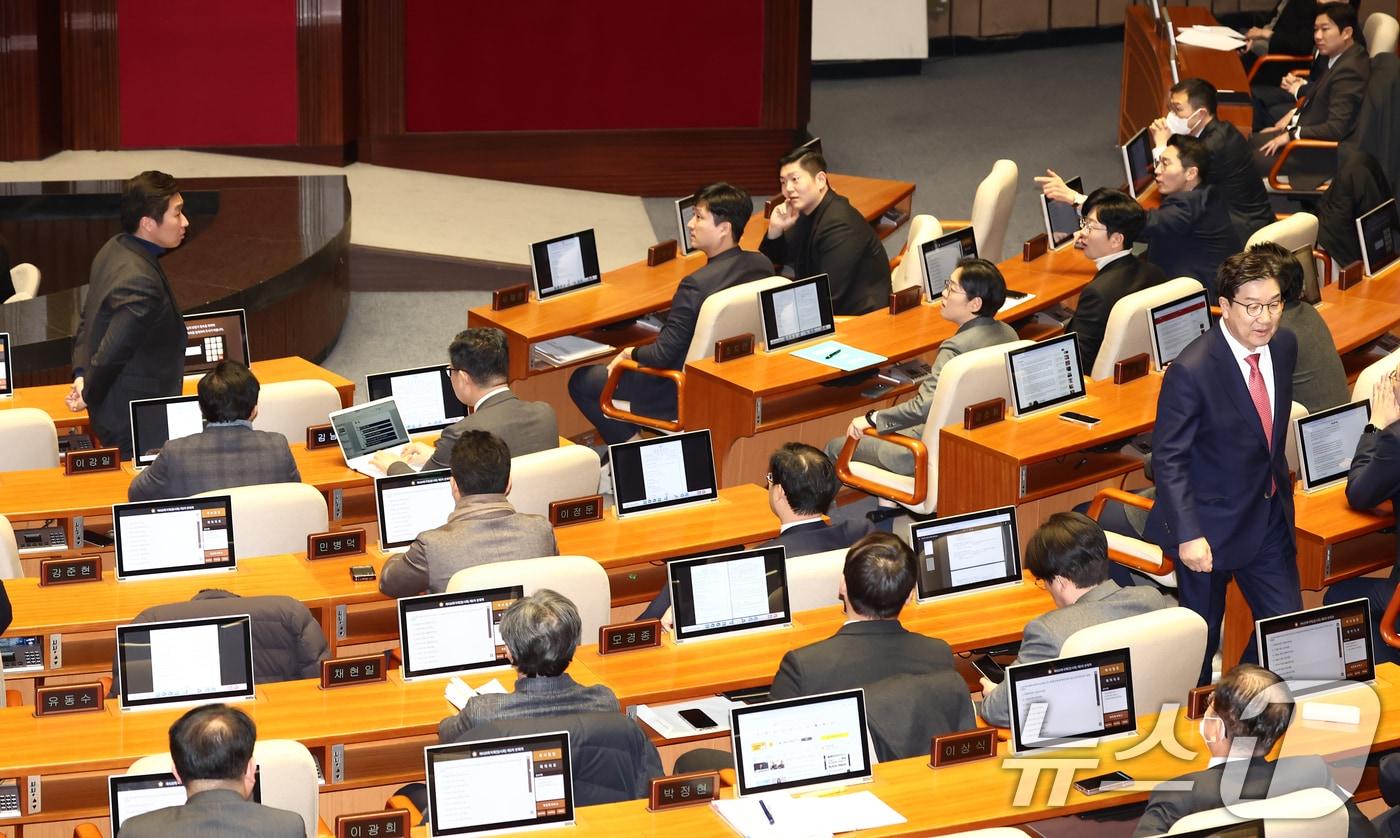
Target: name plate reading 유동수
[69,698]
[361,669]
[69,571]
[390,823]
[326,545]
[576,510]
[92,460]
[320,436]
[967,746]
[662,252]
[729,349]
[683,790]
[624,637]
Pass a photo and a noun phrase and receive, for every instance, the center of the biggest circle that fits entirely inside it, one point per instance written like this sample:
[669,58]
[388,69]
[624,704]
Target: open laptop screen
[440,634]
[369,427]
[567,263]
[1061,220]
[184,661]
[1137,162]
[731,592]
[1327,644]
[968,552]
[155,422]
[130,795]
[409,504]
[424,396]
[215,336]
[1327,441]
[500,785]
[1045,374]
[667,471]
[183,535]
[1176,324]
[814,741]
[685,209]
[7,370]
[796,312]
[1378,230]
[942,255]
[1060,701]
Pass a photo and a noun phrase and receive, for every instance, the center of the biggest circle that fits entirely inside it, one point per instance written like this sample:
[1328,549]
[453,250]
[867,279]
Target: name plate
[69,571]
[1035,247]
[624,637]
[683,790]
[390,822]
[901,301]
[984,413]
[729,349]
[966,746]
[1351,274]
[1132,368]
[576,510]
[320,436]
[509,297]
[69,698]
[91,461]
[661,252]
[1198,700]
[325,545]
[361,669]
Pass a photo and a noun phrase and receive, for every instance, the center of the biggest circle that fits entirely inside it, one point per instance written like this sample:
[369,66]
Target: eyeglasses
[449,370]
[1086,225]
[769,477]
[950,288]
[1160,163]
[1254,309]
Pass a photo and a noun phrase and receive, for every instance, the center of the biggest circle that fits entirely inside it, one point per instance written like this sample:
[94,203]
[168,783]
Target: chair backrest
[10,567]
[579,578]
[910,271]
[1381,32]
[1128,331]
[813,579]
[25,278]
[1166,645]
[969,378]
[724,314]
[1297,233]
[272,518]
[538,479]
[906,711]
[1366,381]
[1309,813]
[287,777]
[28,439]
[991,209]
[289,407]
[288,644]
[1296,411]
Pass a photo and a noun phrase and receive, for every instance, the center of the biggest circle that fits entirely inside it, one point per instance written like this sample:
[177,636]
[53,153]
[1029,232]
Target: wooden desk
[50,397]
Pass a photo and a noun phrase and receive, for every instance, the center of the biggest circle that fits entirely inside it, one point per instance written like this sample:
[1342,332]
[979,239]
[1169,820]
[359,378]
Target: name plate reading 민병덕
[326,545]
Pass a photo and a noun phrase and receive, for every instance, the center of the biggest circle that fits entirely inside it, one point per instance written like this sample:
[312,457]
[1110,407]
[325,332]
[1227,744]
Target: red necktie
[1260,395]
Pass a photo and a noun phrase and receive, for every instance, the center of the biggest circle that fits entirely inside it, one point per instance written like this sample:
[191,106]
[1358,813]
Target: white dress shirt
[1266,366]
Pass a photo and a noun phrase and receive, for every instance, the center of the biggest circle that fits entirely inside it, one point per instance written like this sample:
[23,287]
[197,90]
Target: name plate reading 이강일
[91,461]
[967,746]
[624,637]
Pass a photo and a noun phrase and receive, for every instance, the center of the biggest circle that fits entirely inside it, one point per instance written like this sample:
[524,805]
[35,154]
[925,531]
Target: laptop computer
[719,595]
[963,554]
[1071,701]
[1327,441]
[214,336]
[444,634]
[1378,230]
[185,662]
[155,422]
[1316,648]
[564,264]
[1045,375]
[796,313]
[408,504]
[173,537]
[423,395]
[1137,162]
[685,209]
[1061,220]
[366,429]
[941,257]
[819,741]
[1175,324]
[663,473]
[7,370]
[491,786]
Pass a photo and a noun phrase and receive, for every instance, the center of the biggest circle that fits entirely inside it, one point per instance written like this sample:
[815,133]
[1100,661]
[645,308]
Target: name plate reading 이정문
[576,510]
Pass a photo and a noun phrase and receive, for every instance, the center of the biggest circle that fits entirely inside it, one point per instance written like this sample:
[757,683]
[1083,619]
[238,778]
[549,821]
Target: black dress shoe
[884,513]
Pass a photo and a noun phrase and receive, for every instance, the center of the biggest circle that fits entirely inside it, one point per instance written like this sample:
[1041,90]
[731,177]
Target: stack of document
[666,719]
[797,817]
[458,691]
[568,350]
[1221,38]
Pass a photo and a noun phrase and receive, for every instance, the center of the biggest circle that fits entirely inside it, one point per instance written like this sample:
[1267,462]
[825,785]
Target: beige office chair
[1310,813]
[10,567]
[910,271]
[28,439]
[274,518]
[813,579]
[289,407]
[991,210]
[538,479]
[724,314]
[967,379]
[1167,646]
[1128,331]
[1366,381]
[1297,233]
[579,578]
[1381,32]
[25,278]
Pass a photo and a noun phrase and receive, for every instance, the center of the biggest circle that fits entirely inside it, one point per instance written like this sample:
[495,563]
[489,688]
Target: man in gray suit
[482,528]
[212,748]
[480,364]
[1068,556]
[228,452]
[972,296]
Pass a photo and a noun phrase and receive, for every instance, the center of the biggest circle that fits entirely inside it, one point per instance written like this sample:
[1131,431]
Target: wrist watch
[1369,429]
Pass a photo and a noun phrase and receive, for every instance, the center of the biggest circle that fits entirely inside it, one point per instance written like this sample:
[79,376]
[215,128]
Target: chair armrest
[1388,634]
[1127,559]
[1282,157]
[952,224]
[399,801]
[629,365]
[1323,259]
[86,830]
[915,446]
[1304,63]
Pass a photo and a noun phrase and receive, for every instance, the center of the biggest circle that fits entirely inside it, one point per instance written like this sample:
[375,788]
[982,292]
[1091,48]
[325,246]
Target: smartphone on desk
[697,719]
[362,572]
[1103,782]
[990,669]
[1080,418]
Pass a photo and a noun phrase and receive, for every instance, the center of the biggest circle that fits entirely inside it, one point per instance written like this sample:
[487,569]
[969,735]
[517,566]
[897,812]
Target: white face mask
[1179,124]
[1215,726]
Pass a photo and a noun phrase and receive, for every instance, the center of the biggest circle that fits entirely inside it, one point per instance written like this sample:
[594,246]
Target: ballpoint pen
[767,814]
[833,354]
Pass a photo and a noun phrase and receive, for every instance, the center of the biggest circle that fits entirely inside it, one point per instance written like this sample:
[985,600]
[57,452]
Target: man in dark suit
[801,486]
[130,342]
[479,369]
[1192,111]
[1248,712]
[227,453]
[212,748]
[721,211]
[816,231]
[1224,498]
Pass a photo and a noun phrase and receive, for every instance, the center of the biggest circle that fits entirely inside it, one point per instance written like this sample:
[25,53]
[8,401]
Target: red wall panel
[619,64]
[207,74]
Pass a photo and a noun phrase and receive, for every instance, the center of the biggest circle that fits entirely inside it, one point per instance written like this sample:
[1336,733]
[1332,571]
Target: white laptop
[1327,441]
[1068,702]
[185,662]
[366,429]
[1316,649]
[492,786]
[963,554]
[818,741]
[722,595]
[408,504]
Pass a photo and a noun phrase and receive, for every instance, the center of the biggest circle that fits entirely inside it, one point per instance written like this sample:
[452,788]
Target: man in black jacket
[1192,105]
[130,342]
[721,211]
[816,231]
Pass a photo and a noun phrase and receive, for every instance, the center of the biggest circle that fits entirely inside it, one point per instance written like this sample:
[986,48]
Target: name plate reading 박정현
[967,746]
[69,698]
[624,637]
[390,823]
[683,790]
[325,545]
[361,669]
[92,460]
[68,571]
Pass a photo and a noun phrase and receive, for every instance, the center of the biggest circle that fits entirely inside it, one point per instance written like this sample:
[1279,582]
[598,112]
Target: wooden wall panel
[381,40]
[326,82]
[1066,14]
[88,56]
[29,115]
[787,63]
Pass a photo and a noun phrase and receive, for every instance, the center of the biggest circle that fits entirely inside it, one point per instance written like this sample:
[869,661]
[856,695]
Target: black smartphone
[698,719]
[990,669]
[1080,418]
[362,572]
[1103,782]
